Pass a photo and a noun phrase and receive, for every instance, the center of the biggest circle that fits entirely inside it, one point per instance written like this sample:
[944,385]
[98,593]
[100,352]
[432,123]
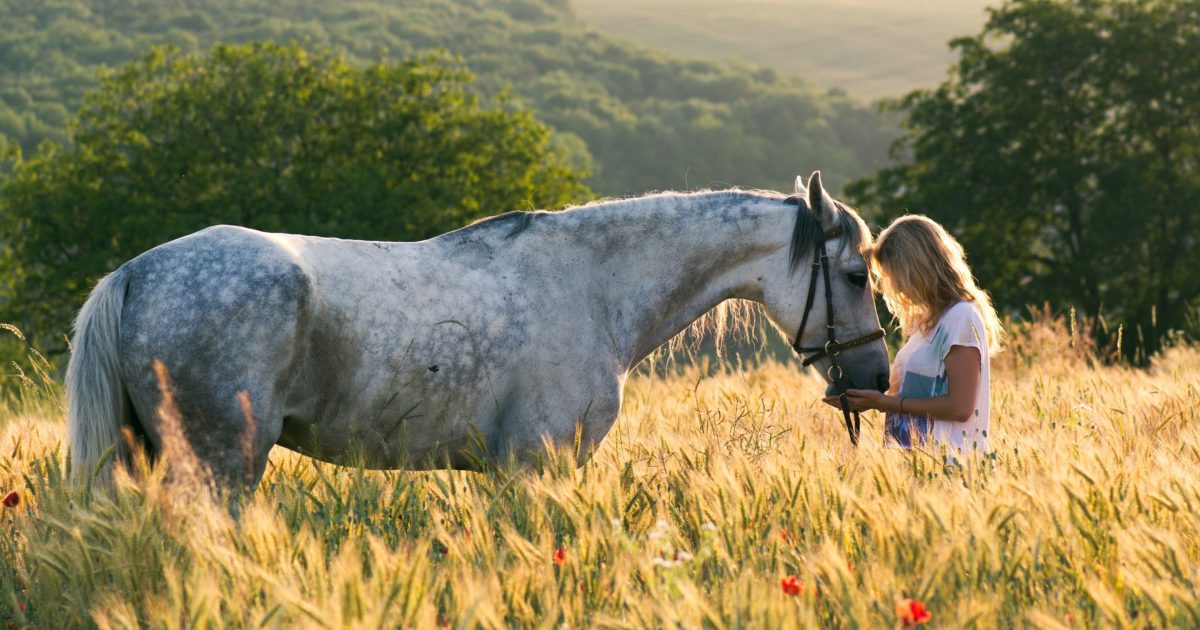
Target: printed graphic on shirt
[917,385]
[937,344]
[906,429]
[903,427]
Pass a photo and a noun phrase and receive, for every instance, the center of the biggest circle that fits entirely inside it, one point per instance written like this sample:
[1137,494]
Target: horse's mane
[805,232]
[736,319]
[520,220]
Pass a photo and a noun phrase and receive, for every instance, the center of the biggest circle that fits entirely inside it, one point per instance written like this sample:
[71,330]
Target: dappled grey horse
[482,342]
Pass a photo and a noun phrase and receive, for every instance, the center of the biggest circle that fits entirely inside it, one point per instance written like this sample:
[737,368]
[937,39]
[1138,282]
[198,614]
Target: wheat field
[722,498]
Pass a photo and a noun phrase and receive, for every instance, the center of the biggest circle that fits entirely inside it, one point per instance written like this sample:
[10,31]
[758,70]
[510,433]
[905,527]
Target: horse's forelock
[808,230]
[854,227]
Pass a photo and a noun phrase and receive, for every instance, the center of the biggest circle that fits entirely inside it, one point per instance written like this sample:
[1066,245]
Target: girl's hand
[861,400]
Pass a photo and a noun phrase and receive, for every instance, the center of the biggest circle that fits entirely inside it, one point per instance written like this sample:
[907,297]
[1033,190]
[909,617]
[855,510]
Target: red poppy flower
[12,499]
[911,612]
[791,586]
[560,556]
[784,536]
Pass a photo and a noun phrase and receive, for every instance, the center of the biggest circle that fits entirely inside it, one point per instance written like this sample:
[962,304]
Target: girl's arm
[962,386]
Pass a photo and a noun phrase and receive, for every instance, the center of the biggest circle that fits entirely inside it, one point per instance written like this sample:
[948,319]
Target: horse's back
[223,283]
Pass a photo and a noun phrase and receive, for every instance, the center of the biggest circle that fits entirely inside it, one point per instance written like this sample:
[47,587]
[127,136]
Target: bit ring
[829,373]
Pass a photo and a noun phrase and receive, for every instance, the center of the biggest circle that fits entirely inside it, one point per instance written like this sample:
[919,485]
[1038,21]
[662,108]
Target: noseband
[832,348]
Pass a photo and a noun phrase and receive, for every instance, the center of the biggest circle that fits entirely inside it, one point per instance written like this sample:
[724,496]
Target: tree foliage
[266,136]
[1063,152]
[650,121]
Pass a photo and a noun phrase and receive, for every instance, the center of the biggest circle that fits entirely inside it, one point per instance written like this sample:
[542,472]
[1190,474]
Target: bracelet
[901,404]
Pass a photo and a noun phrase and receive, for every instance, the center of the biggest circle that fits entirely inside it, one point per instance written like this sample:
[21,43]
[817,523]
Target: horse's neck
[670,259]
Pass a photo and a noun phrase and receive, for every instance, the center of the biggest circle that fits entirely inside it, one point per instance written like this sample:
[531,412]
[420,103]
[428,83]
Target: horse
[500,336]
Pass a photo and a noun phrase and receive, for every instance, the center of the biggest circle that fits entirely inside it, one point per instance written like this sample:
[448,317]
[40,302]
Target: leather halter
[832,348]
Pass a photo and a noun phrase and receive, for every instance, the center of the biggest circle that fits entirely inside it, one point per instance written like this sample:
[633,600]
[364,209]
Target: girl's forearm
[939,407]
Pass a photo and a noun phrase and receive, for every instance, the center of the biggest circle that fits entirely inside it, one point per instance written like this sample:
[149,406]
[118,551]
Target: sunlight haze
[870,48]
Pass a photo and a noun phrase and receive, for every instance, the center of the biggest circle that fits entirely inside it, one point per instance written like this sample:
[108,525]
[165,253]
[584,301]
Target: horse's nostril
[881,382]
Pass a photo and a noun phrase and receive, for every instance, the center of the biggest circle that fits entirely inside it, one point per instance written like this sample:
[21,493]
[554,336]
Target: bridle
[832,348]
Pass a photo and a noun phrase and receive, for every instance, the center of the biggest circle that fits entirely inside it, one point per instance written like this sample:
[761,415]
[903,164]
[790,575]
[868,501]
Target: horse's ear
[816,194]
[801,190]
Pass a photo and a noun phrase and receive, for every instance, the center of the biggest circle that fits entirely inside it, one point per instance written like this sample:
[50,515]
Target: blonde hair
[922,271]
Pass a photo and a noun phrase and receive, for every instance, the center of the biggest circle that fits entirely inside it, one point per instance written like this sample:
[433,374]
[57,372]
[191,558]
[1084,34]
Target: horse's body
[491,338]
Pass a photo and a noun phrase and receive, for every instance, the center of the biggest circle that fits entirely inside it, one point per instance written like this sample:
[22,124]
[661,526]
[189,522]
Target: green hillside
[647,120]
[871,48]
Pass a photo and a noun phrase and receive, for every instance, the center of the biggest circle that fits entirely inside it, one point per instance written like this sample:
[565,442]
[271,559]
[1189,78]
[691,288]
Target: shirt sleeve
[961,326]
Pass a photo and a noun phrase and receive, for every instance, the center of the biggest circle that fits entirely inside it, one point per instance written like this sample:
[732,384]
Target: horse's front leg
[573,412]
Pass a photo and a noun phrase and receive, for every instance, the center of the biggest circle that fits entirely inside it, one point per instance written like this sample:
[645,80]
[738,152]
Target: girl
[940,381]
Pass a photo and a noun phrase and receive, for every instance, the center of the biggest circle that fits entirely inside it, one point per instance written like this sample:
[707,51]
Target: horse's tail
[97,402]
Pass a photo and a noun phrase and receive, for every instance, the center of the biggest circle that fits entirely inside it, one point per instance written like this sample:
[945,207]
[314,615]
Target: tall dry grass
[708,491]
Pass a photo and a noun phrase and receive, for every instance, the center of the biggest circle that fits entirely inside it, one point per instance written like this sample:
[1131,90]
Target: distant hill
[644,119]
[871,48]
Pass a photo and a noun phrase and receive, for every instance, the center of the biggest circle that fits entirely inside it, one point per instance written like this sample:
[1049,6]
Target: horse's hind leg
[225,424]
[234,450]
[224,312]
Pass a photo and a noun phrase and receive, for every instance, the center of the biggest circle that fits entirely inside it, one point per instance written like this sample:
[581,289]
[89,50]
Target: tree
[1063,152]
[270,137]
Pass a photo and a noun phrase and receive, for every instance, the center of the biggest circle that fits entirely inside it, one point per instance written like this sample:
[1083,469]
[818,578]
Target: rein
[832,348]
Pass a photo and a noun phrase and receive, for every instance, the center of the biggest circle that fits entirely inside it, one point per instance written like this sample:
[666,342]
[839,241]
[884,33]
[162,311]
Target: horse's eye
[858,279]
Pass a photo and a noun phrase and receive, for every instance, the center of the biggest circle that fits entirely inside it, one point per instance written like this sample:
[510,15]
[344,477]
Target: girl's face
[909,264]
[890,281]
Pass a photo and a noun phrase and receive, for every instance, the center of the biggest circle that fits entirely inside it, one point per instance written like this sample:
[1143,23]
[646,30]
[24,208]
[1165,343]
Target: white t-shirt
[919,371]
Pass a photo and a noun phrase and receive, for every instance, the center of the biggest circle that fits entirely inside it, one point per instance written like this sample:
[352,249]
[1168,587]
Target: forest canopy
[639,120]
